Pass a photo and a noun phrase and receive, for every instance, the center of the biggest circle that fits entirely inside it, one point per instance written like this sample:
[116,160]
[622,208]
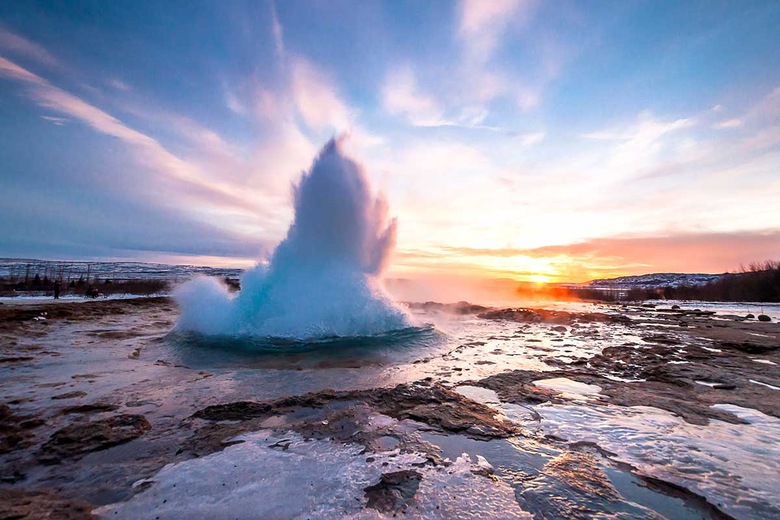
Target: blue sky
[535,140]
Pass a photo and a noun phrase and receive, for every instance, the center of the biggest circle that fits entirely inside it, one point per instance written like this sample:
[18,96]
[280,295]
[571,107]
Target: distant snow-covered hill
[654,281]
[16,269]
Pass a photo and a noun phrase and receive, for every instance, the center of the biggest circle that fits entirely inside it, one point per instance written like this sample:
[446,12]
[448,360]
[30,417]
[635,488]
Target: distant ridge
[654,281]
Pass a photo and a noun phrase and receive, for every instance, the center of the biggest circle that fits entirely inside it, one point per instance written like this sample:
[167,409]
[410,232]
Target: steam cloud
[323,278]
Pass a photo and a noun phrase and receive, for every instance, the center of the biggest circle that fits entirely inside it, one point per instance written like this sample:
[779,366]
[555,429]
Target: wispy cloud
[58,121]
[481,30]
[639,147]
[118,84]
[532,139]
[316,99]
[476,78]
[277,30]
[401,96]
[12,43]
[152,152]
[482,24]
[730,123]
[302,91]
[647,129]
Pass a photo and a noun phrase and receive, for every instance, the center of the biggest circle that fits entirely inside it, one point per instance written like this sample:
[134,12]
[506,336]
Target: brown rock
[21,504]
[394,491]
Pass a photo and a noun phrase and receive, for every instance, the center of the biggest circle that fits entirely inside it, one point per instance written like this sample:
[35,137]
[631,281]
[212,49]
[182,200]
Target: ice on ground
[272,476]
[481,395]
[569,388]
[773,387]
[736,466]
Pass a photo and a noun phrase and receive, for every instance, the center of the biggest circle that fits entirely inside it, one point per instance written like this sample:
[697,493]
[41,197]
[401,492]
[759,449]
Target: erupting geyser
[323,278]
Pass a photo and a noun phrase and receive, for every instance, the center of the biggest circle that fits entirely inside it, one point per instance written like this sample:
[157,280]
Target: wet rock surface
[523,315]
[440,407]
[343,416]
[685,372]
[16,431]
[81,438]
[579,477]
[452,308]
[429,403]
[88,432]
[686,381]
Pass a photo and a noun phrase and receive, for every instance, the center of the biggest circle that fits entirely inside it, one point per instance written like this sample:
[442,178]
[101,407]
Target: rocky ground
[699,362]
[80,430]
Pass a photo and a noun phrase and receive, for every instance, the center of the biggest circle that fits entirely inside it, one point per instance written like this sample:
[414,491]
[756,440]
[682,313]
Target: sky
[530,140]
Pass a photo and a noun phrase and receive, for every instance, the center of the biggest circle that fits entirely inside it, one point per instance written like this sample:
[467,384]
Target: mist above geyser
[323,279]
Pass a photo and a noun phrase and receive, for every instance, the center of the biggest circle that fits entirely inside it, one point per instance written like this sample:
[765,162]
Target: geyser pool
[323,279]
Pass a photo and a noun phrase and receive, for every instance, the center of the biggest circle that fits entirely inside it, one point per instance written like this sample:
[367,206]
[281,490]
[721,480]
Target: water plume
[323,279]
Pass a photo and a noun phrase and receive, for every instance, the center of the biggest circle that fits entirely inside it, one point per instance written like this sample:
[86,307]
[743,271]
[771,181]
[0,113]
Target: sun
[539,279]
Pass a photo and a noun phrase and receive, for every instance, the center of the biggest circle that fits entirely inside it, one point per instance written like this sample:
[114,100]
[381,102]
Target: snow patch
[568,388]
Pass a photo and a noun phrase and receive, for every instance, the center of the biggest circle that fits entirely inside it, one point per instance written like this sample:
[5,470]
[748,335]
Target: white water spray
[323,278]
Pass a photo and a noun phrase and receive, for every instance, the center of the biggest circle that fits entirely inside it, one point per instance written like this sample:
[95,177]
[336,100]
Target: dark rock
[15,359]
[394,491]
[15,429]
[29,424]
[70,395]
[764,317]
[90,408]
[81,438]
[749,347]
[660,338]
[750,316]
[238,411]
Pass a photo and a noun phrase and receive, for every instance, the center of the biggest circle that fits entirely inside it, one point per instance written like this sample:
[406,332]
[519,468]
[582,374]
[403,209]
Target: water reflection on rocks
[572,411]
